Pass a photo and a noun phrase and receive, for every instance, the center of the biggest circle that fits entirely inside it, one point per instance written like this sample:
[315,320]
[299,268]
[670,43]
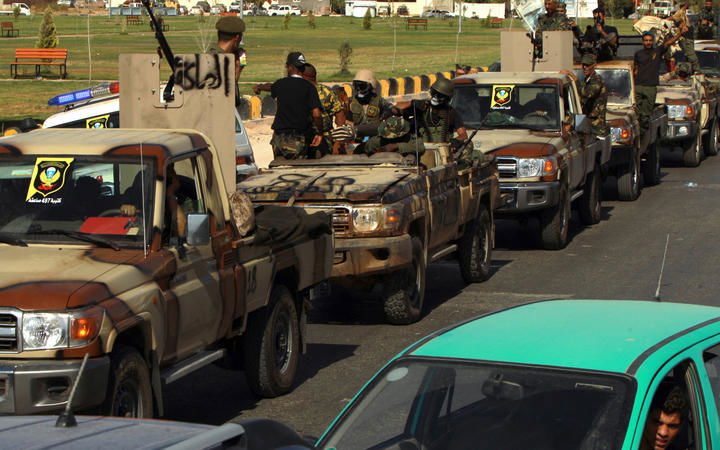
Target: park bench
[7,29]
[496,22]
[135,20]
[43,57]
[161,22]
[416,22]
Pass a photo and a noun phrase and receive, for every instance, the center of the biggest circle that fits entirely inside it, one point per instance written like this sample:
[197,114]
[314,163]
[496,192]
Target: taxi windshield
[66,199]
[534,107]
[442,404]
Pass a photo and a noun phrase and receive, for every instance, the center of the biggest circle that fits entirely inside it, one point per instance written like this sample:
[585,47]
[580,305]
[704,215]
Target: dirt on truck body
[391,217]
[122,245]
[547,157]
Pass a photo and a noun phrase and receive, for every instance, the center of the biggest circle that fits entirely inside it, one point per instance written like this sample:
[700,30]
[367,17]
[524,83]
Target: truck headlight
[680,111]
[620,134]
[529,167]
[366,219]
[44,331]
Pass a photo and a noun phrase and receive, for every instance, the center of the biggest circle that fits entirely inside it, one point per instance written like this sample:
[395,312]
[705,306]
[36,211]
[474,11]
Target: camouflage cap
[394,127]
[588,59]
[230,25]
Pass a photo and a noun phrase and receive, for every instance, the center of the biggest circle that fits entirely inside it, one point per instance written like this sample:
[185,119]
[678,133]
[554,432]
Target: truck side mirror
[198,229]
[581,124]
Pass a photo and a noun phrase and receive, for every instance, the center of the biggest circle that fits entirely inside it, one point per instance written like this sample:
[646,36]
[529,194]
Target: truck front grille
[507,167]
[341,222]
[8,333]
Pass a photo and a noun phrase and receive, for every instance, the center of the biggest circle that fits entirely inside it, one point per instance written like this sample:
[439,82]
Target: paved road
[617,259]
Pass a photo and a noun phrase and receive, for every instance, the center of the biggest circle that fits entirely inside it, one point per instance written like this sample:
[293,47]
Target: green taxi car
[561,374]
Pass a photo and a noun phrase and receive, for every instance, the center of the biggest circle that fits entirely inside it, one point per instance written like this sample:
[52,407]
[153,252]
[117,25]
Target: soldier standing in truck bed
[687,40]
[707,21]
[435,120]
[594,95]
[367,107]
[298,109]
[230,31]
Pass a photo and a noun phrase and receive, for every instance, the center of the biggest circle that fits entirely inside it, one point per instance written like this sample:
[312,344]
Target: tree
[345,51]
[286,21]
[16,12]
[367,20]
[311,20]
[48,32]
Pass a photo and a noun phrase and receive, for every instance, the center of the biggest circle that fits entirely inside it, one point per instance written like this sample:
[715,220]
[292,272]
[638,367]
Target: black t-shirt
[296,98]
[648,63]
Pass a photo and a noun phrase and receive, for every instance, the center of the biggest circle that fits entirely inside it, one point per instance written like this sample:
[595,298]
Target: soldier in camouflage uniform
[331,111]
[552,20]
[707,23]
[593,95]
[687,41]
[230,31]
[394,136]
[367,108]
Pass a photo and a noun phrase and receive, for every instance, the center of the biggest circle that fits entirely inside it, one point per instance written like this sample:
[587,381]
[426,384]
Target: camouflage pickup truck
[547,158]
[391,217]
[122,245]
[633,153]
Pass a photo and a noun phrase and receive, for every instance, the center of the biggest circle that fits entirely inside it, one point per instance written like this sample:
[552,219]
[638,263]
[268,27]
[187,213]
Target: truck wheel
[691,152]
[129,389]
[555,222]
[272,344]
[589,204]
[629,180]
[710,140]
[651,168]
[475,248]
[405,289]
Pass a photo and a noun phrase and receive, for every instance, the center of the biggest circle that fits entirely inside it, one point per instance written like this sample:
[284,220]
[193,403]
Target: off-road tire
[555,222]
[692,152]
[405,289]
[129,392]
[475,248]
[271,345]
[628,180]
[651,166]
[710,140]
[589,204]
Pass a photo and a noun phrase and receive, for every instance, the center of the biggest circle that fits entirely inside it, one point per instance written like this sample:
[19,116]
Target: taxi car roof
[606,335]
[78,141]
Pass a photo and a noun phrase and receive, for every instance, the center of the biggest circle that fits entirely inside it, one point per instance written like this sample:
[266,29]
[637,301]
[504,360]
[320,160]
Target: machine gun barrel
[165,49]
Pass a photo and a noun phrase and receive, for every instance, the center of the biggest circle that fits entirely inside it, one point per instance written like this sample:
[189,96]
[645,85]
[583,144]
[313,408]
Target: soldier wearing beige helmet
[367,107]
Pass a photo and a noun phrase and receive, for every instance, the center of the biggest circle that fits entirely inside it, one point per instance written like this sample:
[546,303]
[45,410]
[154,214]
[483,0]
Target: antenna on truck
[66,419]
[167,53]
[656,297]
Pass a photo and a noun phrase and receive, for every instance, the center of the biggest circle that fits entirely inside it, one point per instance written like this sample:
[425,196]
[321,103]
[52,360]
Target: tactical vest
[435,130]
[362,114]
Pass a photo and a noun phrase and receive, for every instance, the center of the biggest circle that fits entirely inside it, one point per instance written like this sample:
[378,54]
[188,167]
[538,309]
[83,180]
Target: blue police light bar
[85,94]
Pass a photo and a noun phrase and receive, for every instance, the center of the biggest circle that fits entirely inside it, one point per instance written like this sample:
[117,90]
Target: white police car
[99,107]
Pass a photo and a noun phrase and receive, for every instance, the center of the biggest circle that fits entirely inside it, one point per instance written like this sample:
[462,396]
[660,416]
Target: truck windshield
[443,404]
[617,82]
[60,199]
[534,107]
[709,62]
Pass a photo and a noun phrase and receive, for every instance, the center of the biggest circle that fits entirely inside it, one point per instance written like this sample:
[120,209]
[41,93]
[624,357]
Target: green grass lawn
[417,52]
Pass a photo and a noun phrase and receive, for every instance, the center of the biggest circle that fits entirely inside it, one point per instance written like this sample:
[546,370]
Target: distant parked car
[435,13]
[182,10]
[284,10]
[218,9]
[68,3]
[402,10]
[196,11]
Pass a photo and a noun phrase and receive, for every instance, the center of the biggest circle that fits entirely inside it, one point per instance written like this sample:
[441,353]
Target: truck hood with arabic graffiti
[56,278]
[355,184]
